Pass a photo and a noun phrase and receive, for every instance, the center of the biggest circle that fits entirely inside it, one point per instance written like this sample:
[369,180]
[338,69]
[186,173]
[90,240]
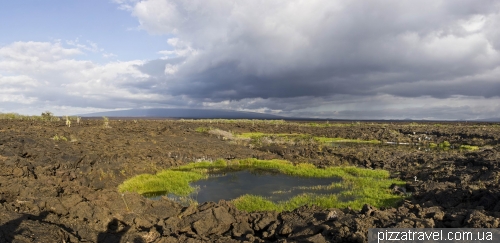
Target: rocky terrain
[65,190]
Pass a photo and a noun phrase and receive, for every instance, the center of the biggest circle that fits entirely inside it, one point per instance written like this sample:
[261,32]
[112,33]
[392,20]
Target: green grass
[176,182]
[444,144]
[46,116]
[344,140]
[202,129]
[257,135]
[361,185]
[297,136]
[59,138]
[469,147]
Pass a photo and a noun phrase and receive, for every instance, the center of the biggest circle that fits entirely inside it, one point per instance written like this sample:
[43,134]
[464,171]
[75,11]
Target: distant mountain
[184,113]
[489,119]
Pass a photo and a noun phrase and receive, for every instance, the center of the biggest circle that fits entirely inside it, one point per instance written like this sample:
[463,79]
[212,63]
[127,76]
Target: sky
[357,59]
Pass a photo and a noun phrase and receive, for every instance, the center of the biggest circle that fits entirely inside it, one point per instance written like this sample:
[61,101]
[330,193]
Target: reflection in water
[269,184]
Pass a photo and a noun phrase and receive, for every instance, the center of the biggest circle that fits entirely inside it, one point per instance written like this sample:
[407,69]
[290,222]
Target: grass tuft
[296,137]
[176,182]
[469,147]
[59,138]
[444,144]
[202,129]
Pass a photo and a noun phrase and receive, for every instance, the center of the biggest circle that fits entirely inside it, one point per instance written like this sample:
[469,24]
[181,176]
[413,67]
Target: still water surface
[274,186]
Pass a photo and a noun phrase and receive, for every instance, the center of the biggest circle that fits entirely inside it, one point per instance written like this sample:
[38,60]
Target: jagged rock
[61,191]
[211,221]
[241,228]
[264,221]
[142,223]
[317,238]
[368,209]
[398,190]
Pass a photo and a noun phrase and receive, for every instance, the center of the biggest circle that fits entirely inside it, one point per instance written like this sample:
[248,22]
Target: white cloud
[30,52]
[90,46]
[21,81]
[181,49]
[171,69]
[474,23]
[18,99]
[108,55]
[48,72]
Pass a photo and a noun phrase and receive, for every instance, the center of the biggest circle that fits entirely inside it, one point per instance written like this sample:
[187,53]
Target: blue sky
[86,21]
[379,59]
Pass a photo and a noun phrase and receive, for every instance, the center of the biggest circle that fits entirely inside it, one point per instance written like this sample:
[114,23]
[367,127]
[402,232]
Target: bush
[47,116]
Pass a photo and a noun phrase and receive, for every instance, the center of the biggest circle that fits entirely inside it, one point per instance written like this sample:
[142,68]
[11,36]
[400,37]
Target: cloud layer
[36,75]
[341,56]
[340,59]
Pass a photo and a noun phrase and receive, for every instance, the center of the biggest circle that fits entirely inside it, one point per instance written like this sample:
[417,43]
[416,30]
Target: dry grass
[225,135]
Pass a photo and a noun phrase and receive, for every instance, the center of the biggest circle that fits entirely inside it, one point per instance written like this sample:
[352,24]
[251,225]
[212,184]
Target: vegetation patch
[469,147]
[59,138]
[444,144]
[203,129]
[344,140]
[299,136]
[362,185]
[256,135]
[170,181]
[45,116]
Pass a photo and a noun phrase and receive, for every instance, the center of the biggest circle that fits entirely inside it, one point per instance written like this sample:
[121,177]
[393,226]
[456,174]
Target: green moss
[362,185]
[46,116]
[256,135]
[445,144]
[202,129]
[220,163]
[176,182]
[344,140]
[59,138]
[469,147]
[432,145]
[296,136]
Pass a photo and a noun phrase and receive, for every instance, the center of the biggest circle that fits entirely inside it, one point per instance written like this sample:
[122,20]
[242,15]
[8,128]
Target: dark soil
[66,191]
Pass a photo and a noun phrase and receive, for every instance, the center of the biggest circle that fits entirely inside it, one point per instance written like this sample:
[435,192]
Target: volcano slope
[59,183]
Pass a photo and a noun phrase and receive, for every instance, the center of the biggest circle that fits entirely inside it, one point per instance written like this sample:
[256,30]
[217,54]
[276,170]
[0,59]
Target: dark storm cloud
[472,87]
[299,49]
[225,81]
[427,113]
